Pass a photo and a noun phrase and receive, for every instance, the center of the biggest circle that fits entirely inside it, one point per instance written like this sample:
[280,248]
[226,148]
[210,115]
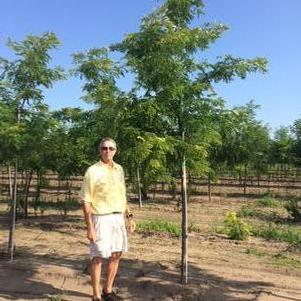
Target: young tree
[282,147]
[165,58]
[245,142]
[296,130]
[21,88]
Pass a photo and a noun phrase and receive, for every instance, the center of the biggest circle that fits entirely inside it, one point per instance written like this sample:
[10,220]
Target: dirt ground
[52,256]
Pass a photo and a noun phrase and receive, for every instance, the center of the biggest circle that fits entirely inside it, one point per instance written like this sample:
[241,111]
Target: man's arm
[128,214]
[85,196]
[88,218]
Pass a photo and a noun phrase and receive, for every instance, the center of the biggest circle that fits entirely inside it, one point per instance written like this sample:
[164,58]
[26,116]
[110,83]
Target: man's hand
[131,225]
[91,235]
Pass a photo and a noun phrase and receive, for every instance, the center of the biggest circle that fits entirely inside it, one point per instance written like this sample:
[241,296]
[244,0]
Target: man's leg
[112,271]
[95,276]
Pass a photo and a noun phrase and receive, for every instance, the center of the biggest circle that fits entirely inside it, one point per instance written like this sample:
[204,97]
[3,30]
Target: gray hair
[103,140]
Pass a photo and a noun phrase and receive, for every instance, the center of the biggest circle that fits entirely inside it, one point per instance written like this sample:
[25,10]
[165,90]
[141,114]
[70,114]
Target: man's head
[107,149]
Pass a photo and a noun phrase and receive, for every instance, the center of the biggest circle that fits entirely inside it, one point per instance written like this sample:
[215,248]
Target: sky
[264,28]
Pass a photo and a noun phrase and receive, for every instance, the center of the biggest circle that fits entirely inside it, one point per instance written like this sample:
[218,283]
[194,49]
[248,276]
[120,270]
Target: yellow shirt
[104,188]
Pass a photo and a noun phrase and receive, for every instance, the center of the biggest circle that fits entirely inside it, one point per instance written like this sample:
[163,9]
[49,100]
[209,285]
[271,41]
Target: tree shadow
[137,280]
[69,224]
[21,278]
[142,280]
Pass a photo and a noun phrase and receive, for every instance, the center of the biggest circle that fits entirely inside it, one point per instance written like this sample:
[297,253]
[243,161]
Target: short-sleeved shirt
[104,188]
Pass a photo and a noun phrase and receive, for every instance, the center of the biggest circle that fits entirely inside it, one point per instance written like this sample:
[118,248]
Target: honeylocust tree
[22,82]
[165,56]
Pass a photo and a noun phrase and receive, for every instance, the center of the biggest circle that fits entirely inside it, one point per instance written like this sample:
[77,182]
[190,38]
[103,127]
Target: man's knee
[96,260]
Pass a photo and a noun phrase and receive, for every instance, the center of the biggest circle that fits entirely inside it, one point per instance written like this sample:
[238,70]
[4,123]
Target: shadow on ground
[32,277]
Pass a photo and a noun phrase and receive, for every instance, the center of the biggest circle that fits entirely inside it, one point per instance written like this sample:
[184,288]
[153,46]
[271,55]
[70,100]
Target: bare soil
[52,257]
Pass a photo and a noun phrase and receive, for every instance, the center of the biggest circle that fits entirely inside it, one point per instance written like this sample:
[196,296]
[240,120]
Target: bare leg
[95,275]
[112,271]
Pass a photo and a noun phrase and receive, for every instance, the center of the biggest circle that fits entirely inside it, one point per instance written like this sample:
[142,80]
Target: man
[103,195]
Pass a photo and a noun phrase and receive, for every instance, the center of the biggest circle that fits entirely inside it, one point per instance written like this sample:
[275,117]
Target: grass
[251,211]
[268,201]
[248,211]
[55,297]
[281,259]
[254,251]
[277,232]
[270,231]
[159,226]
[172,228]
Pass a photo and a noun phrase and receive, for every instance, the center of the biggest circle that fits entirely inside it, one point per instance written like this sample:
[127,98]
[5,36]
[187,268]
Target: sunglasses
[105,148]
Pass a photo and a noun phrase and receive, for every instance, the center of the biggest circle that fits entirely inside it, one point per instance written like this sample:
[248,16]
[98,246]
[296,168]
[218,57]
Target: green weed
[268,201]
[281,259]
[235,228]
[159,226]
[254,251]
[277,232]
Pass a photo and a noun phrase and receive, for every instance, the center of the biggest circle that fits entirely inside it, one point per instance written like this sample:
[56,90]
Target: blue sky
[269,28]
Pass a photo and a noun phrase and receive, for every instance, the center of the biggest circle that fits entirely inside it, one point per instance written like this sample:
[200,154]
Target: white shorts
[110,233]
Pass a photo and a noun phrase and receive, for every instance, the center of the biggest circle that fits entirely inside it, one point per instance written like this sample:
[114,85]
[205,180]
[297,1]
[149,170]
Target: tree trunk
[209,188]
[38,192]
[26,192]
[11,243]
[184,261]
[245,181]
[139,188]
[10,183]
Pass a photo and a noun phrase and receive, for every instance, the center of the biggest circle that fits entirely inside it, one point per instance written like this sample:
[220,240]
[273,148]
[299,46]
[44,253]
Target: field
[51,256]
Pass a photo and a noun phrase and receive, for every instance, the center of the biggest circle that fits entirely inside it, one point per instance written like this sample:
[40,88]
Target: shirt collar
[105,165]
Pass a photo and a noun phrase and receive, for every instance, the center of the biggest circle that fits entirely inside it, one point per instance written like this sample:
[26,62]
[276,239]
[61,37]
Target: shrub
[235,228]
[268,201]
[247,211]
[251,211]
[293,207]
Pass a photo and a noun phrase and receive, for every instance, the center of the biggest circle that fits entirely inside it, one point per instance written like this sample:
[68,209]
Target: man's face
[107,151]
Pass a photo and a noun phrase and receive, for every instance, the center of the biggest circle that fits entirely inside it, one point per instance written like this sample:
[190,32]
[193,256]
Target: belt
[115,212]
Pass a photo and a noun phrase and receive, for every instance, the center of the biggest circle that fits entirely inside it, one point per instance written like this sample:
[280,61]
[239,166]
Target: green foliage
[277,232]
[268,201]
[254,251]
[68,204]
[282,147]
[296,149]
[159,226]
[236,228]
[192,227]
[55,297]
[39,204]
[179,87]
[245,141]
[281,259]
[248,211]
[294,209]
